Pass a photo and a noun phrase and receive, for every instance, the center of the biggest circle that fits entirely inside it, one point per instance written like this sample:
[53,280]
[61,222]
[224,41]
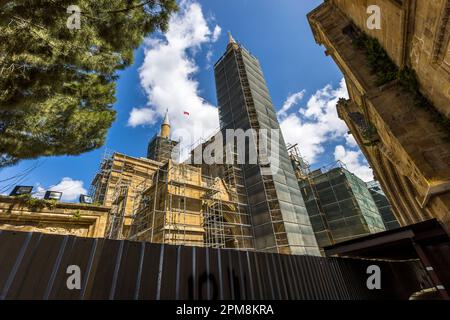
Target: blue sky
[299,76]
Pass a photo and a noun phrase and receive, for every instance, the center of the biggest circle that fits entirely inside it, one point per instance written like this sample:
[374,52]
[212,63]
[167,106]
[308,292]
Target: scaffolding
[213,222]
[118,214]
[338,202]
[241,224]
[162,149]
[98,187]
[161,212]
[227,223]
[383,205]
[114,186]
[277,222]
[100,191]
[183,206]
[311,197]
[174,203]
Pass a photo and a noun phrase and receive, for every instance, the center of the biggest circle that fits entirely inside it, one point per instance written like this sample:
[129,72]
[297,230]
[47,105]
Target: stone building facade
[81,220]
[404,136]
[170,202]
[116,185]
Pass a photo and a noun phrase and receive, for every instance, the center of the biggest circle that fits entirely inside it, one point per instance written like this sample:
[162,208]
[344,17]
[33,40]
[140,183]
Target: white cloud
[40,191]
[216,33]
[350,141]
[316,123]
[167,77]
[215,36]
[354,161]
[71,189]
[305,134]
[209,56]
[292,100]
[141,116]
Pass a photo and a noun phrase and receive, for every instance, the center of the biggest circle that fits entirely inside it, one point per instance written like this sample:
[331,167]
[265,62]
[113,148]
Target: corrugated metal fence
[34,266]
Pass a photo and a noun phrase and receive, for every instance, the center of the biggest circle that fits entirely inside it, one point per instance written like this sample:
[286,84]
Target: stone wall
[63,218]
[429,53]
[120,179]
[414,33]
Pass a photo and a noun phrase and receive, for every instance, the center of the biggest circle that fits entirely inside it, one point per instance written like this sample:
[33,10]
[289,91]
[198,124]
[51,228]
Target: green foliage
[57,85]
[77,214]
[408,79]
[378,60]
[36,204]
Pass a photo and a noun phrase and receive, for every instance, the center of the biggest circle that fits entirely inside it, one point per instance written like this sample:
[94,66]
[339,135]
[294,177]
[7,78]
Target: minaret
[161,146]
[165,126]
[230,38]
[231,41]
[280,220]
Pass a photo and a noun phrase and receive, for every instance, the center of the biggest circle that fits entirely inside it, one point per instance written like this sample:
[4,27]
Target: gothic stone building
[399,119]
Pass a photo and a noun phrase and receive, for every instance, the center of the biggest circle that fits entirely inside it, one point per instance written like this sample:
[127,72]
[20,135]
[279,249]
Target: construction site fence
[38,266]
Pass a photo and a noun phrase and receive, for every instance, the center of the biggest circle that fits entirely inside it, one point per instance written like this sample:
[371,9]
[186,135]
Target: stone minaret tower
[161,146]
[165,126]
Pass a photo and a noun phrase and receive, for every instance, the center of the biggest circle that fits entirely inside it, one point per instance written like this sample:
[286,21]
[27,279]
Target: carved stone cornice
[442,33]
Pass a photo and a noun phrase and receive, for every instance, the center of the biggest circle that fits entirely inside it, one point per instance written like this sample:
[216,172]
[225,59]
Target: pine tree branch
[130,8]
[113,11]
[3,2]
